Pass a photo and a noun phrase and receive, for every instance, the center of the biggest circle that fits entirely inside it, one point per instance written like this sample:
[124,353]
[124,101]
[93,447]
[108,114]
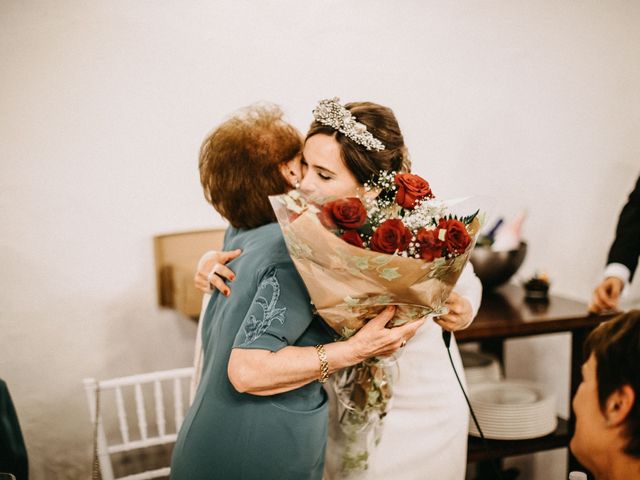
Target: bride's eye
[324,177]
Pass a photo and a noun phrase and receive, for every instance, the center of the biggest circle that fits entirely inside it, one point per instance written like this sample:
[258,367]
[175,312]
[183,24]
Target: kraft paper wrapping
[349,285]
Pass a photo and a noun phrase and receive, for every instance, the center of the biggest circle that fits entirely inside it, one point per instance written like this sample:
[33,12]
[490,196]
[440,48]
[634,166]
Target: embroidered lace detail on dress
[254,328]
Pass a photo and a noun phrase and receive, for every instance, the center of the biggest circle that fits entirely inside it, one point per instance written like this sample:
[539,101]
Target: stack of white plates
[480,367]
[512,410]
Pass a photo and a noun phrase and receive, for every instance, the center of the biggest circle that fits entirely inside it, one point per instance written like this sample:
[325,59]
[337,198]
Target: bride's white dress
[425,432]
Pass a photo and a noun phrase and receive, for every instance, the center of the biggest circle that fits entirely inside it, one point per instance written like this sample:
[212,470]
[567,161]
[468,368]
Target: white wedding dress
[424,435]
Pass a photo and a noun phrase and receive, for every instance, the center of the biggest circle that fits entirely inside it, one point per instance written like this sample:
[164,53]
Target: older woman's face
[326,174]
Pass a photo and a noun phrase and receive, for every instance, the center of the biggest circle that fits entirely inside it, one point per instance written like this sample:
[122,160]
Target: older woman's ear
[292,171]
[618,406]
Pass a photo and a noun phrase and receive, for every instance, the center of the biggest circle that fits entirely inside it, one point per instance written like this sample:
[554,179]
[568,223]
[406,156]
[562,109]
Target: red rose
[430,245]
[353,237]
[457,238]
[411,188]
[326,218]
[392,235]
[348,213]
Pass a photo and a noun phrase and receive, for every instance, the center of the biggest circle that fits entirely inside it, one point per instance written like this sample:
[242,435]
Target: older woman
[260,411]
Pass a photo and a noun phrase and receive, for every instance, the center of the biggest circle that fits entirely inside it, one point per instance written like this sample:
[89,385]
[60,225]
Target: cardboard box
[177,256]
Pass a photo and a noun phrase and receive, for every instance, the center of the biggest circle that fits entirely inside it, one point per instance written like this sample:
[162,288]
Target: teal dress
[231,435]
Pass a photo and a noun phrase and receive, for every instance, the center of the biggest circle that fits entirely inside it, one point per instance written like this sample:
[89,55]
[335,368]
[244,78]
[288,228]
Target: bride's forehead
[322,148]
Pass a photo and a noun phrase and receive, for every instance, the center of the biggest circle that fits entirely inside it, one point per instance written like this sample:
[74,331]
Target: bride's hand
[206,279]
[460,314]
[375,340]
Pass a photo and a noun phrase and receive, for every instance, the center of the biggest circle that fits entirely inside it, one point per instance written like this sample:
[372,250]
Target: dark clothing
[13,454]
[626,246]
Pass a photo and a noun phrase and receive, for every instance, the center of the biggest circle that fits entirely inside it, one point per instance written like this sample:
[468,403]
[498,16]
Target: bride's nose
[306,185]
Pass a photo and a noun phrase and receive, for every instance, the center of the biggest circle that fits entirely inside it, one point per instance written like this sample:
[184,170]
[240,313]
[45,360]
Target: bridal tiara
[331,113]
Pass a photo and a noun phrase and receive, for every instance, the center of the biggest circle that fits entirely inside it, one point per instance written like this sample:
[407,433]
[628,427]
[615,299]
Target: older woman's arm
[263,372]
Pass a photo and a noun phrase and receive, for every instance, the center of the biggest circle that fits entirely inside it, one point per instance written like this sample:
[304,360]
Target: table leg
[494,346]
[486,471]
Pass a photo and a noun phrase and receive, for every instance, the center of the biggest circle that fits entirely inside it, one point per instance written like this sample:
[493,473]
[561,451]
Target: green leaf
[366,229]
[468,219]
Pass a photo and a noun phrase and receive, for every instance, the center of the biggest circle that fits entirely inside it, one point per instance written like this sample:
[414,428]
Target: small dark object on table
[537,288]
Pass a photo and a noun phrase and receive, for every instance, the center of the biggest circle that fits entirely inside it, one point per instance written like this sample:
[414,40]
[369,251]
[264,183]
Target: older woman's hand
[460,314]
[211,271]
[375,340]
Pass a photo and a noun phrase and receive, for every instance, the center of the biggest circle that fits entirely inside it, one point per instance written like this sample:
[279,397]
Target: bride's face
[326,174]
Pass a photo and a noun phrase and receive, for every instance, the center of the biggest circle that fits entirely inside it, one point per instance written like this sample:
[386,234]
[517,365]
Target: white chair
[163,433]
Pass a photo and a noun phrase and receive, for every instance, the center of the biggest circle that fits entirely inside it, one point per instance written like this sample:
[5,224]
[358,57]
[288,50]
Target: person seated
[607,433]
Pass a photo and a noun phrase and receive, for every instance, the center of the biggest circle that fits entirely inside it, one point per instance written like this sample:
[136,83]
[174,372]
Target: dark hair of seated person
[239,164]
[616,347]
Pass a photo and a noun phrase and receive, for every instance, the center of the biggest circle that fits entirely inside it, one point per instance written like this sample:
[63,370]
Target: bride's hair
[239,164]
[383,125]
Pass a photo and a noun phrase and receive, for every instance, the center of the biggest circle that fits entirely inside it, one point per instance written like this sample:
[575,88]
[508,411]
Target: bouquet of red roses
[396,244]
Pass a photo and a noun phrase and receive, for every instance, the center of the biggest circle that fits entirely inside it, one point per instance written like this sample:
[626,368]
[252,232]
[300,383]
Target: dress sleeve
[279,313]
[470,287]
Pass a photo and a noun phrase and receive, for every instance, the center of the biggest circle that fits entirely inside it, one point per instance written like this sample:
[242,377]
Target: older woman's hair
[615,344]
[239,164]
[383,125]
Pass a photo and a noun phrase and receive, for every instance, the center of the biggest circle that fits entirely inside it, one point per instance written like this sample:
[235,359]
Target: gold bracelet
[324,364]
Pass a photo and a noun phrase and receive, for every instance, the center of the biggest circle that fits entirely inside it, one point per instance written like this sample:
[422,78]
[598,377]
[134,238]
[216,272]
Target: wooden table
[506,314]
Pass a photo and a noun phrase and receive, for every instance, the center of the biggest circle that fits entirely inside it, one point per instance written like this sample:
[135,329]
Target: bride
[425,432]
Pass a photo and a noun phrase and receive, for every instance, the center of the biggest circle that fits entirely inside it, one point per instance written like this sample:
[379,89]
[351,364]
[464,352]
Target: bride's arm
[470,288]
[464,301]
[206,279]
[263,372]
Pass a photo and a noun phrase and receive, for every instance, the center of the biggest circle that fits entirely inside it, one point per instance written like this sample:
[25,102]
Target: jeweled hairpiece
[329,112]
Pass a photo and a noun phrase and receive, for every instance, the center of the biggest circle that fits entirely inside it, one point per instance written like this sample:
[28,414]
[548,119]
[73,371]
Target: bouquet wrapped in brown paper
[395,245]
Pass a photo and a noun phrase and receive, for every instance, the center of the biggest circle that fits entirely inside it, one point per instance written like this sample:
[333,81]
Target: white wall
[103,106]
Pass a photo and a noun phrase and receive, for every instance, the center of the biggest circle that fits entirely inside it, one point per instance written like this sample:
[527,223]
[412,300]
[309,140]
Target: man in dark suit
[623,256]
[13,454]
